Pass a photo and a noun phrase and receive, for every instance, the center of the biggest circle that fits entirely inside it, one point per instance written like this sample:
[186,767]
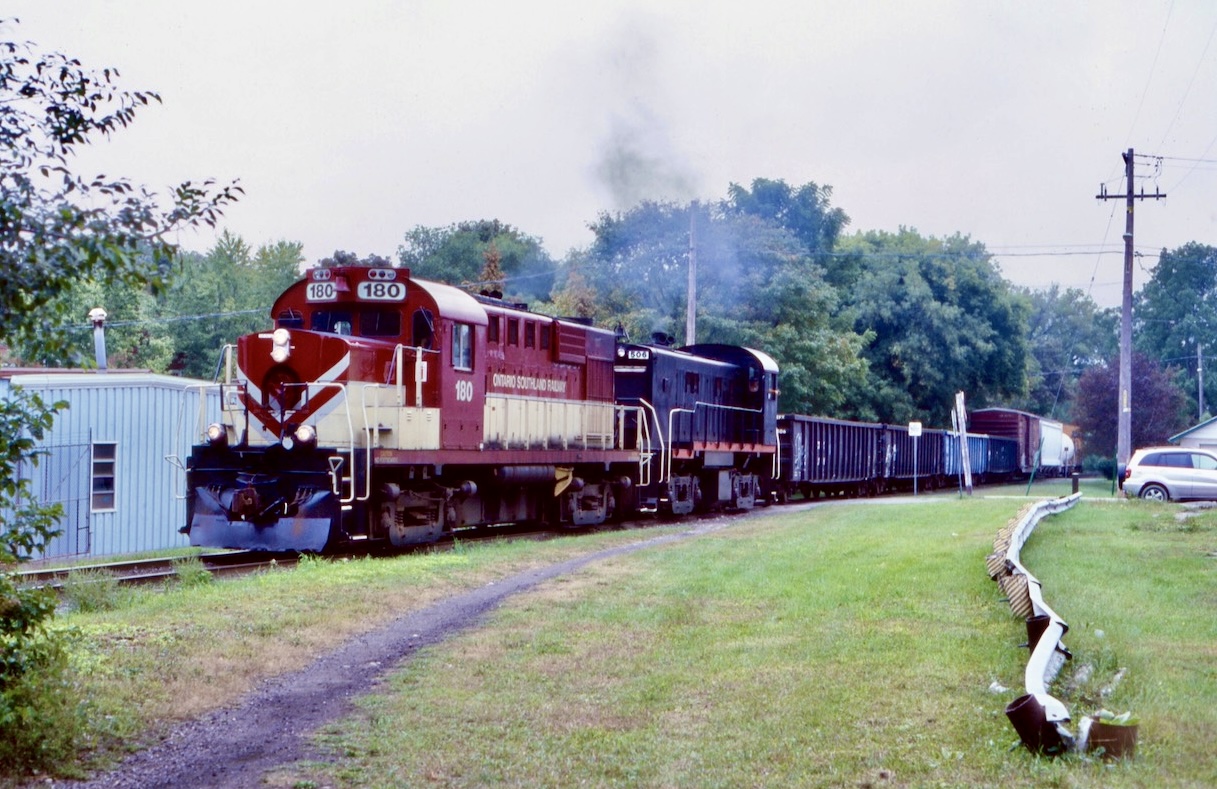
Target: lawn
[856,643]
[844,645]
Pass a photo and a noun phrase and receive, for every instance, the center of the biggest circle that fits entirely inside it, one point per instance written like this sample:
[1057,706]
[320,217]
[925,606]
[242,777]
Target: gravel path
[273,726]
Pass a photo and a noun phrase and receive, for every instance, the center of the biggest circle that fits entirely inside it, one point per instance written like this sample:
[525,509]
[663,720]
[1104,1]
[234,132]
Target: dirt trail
[272,727]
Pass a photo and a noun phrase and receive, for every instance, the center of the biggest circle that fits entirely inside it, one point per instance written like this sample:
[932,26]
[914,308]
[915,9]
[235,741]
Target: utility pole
[1199,379]
[1124,404]
[691,308]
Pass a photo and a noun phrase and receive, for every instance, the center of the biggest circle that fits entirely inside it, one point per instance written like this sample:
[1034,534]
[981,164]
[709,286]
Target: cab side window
[462,346]
[423,329]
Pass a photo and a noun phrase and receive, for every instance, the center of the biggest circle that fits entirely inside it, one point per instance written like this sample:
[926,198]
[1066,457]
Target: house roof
[1175,438]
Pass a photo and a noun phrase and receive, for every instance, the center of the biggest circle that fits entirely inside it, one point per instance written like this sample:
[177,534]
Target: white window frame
[99,464]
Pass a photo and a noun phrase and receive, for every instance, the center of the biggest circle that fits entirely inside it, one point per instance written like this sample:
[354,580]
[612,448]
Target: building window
[102,488]
[462,346]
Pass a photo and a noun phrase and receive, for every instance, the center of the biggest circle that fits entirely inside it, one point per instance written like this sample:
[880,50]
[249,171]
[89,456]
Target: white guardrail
[1038,717]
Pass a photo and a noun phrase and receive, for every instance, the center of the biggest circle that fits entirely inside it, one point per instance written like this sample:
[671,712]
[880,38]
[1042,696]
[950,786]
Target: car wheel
[1155,493]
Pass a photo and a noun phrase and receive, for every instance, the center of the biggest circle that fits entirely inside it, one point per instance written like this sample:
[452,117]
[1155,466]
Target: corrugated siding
[147,417]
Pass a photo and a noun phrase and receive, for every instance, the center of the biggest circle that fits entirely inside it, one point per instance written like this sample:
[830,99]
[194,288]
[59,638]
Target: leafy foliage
[57,229]
[1067,334]
[457,253]
[758,286]
[231,290]
[943,320]
[1158,405]
[1176,311]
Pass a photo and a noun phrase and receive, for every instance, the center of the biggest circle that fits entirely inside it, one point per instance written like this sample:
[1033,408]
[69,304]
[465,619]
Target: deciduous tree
[943,320]
[1067,334]
[1176,312]
[58,227]
[1158,405]
[456,254]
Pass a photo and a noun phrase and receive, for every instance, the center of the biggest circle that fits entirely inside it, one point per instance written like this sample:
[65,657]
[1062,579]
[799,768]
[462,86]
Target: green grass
[848,645]
[144,659]
[842,645]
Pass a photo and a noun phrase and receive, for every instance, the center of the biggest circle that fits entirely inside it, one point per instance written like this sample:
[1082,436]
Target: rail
[147,571]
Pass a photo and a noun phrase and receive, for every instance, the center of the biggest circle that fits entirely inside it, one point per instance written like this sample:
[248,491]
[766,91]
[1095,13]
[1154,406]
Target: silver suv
[1166,473]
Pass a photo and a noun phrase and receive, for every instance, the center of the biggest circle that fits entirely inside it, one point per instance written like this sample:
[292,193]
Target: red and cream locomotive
[386,409]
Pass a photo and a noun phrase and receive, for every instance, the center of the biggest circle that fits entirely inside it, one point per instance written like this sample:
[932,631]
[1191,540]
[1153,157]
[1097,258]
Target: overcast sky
[349,124]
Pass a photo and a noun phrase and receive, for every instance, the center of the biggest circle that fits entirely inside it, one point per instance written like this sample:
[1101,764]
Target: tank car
[386,409]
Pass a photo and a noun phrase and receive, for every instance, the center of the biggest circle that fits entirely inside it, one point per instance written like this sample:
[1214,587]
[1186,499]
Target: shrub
[40,719]
[1098,464]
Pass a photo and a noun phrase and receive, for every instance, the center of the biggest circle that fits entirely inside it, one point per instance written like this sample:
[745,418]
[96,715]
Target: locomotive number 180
[382,291]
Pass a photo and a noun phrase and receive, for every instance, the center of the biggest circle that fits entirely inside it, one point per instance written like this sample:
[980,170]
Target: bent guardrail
[1039,718]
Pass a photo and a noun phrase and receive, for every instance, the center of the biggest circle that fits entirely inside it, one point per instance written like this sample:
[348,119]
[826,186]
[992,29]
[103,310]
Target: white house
[1202,436]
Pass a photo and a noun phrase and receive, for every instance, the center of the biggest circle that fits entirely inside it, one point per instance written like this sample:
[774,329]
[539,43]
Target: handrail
[643,439]
[397,372]
[337,480]
[658,432]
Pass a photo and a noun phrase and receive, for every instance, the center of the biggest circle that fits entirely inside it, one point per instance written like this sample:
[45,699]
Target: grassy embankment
[842,645]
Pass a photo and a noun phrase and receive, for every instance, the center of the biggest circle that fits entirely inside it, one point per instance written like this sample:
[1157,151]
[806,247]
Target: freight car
[821,456]
[1043,446]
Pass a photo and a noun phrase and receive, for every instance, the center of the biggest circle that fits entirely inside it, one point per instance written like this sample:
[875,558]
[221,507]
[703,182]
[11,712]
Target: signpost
[915,433]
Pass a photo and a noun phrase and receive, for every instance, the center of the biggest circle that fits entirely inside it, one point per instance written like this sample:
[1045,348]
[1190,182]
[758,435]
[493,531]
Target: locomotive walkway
[237,746]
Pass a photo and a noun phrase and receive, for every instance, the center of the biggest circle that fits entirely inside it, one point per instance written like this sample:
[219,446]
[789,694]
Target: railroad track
[148,571]
[162,570]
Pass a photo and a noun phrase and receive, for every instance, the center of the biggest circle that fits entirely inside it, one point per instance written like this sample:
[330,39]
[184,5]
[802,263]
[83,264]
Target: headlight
[303,437]
[280,345]
[306,435]
[217,435]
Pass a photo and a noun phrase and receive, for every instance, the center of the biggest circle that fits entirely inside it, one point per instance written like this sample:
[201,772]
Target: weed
[93,590]
[191,572]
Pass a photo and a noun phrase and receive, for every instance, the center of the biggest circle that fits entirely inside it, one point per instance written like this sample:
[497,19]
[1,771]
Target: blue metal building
[109,457]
